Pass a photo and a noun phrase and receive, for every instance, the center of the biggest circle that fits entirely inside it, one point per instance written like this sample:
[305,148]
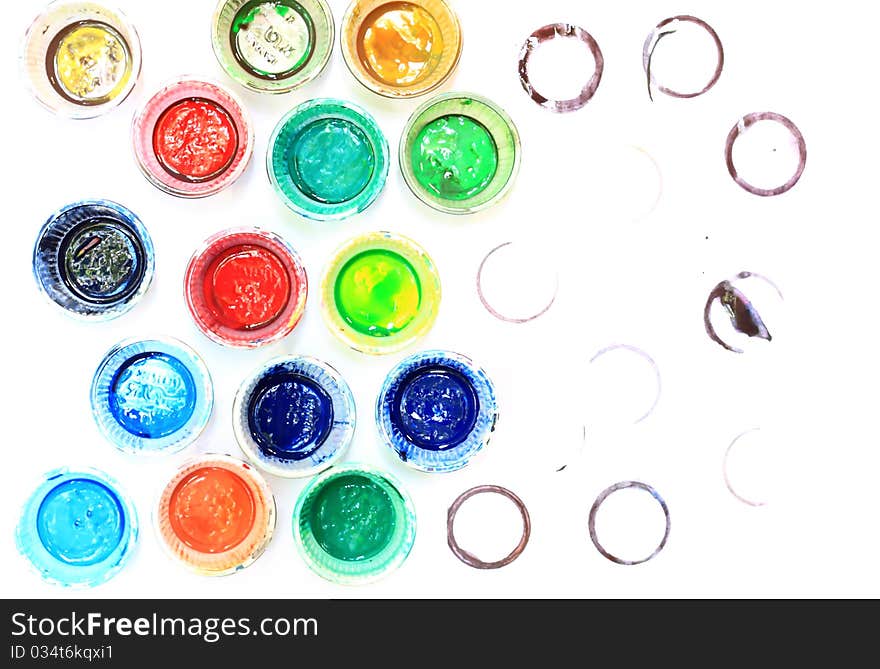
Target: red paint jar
[246,287]
[192,138]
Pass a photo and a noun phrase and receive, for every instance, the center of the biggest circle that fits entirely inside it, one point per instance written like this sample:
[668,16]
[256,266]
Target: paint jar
[294,416]
[152,396]
[272,46]
[354,524]
[216,515]
[327,159]
[436,410]
[380,293]
[81,59]
[459,153]
[77,528]
[401,49]
[94,259]
[245,287]
[192,138]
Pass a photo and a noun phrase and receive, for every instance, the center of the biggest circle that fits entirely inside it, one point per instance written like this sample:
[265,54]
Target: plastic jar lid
[192,138]
[327,159]
[272,46]
[216,515]
[436,410]
[81,59]
[77,528]
[152,396]
[380,293]
[401,49]
[459,153]
[94,259]
[246,287]
[294,416]
[354,543]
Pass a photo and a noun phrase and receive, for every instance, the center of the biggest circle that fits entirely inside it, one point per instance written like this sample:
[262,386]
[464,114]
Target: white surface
[641,283]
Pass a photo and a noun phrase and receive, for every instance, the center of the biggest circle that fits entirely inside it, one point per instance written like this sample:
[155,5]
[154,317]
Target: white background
[812,391]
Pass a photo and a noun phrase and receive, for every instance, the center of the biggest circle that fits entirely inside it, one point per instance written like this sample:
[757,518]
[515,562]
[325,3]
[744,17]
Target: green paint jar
[380,293]
[354,524]
[272,46]
[327,159]
[459,153]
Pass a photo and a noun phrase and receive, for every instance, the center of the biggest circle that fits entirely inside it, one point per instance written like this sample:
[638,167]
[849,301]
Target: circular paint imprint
[80,522]
[352,517]
[454,157]
[733,312]
[516,282]
[102,261]
[90,63]
[692,67]
[247,287]
[195,139]
[378,292]
[272,40]
[212,510]
[477,533]
[436,408]
[766,153]
[289,416]
[152,395]
[399,43]
[630,527]
[332,160]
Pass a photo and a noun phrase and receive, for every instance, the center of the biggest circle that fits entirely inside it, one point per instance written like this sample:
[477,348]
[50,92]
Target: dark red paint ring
[246,287]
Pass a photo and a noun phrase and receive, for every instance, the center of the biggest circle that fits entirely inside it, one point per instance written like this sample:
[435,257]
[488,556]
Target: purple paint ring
[469,558]
[624,485]
[654,38]
[740,127]
[551,32]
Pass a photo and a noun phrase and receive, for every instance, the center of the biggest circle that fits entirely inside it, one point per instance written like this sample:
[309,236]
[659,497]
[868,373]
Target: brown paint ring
[469,558]
[546,34]
[623,485]
[651,43]
[740,127]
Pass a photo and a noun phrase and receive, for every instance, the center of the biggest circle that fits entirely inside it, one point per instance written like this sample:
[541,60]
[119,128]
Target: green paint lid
[327,159]
[272,46]
[354,524]
[459,153]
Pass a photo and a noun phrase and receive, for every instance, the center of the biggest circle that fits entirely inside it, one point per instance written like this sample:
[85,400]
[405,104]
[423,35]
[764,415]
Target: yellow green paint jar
[380,293]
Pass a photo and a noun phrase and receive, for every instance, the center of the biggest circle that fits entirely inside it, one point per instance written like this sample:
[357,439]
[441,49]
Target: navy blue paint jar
[436,410]
[152,395]
[94,259]
[294,416]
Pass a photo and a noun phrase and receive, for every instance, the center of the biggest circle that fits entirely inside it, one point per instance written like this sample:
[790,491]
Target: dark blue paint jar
[94,259]
[294,416]
[152,395]
[436,410]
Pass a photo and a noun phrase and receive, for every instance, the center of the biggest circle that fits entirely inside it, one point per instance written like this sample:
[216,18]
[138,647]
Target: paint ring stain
[560,31]
[624,485]
[668,27]
[741,127]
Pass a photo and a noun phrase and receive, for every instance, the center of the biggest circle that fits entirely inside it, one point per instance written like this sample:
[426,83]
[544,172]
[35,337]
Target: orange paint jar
[216,515]
[401,49]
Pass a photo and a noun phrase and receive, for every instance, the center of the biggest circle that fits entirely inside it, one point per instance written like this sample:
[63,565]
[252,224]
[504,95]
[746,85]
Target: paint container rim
[71,109]
[493,119]
[43,272]
[276,329]
[369,570]
[429,283]
[221,25]
[105,374]
[442,460]
[444,69]
[51,569]
[334,445]
[259,536]
[179,89]
[289,128]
